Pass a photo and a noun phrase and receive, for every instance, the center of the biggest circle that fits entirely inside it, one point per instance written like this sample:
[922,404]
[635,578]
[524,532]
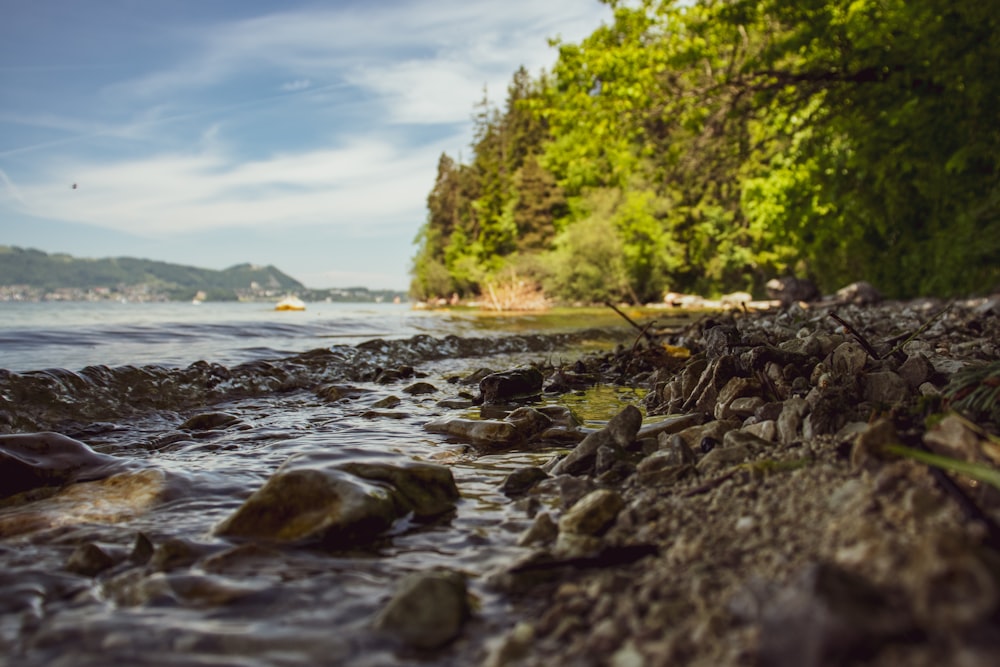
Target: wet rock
[209,421]
[511,386]
[619,432]
[791,290]
[114,499]
[593,514]
[311,498]
[387,402]
[885,387]
[529,422]
[91,559]
[543,530]
[477,431]
[176,552]
[428,609]
[332,393]
[827,615]
[35,460]
[419,389]
[521,480]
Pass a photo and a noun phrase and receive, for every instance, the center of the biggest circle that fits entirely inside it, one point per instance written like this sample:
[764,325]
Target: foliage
[713,145]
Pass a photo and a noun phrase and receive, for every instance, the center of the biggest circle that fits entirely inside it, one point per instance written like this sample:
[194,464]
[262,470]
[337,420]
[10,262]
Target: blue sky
[214,132]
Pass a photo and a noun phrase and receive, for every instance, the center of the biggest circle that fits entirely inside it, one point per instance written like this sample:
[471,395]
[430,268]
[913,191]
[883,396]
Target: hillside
[160,280]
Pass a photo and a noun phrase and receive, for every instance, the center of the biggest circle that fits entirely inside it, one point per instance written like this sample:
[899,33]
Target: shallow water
[266,606]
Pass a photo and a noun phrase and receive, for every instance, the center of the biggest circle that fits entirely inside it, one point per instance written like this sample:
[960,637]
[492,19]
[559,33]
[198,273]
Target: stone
[476,431]
[953,437]
[529,422]
[515,385]
[90,560]
[916,370]
[620,431]
[789,290]
[593,514]
[419,389]
[387,402]
[36,460]
[315,498]
[209,421]
[521,480]
[543,530]
[745,406]
[765,430]
[428,609]
[859,293]
[885,387]
[848,359]
[735,388]
[790,420]
[827,615]
[674,449]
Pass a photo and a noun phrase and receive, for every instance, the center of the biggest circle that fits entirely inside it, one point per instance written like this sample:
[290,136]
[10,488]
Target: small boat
[290,303]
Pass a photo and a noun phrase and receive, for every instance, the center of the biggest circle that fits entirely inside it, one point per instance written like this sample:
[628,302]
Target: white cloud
[298,84]
[367,180]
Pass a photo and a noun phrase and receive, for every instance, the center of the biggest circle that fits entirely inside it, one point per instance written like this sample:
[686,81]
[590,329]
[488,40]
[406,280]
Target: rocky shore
[770,518]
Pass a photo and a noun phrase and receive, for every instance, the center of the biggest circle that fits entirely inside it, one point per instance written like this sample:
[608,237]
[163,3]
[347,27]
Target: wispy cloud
[298,84]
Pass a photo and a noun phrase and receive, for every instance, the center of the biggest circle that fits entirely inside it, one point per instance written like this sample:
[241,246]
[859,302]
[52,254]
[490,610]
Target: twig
[857,336]
[642,330]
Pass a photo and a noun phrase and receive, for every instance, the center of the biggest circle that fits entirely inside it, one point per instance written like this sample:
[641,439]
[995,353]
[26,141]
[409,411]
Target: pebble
[428,609]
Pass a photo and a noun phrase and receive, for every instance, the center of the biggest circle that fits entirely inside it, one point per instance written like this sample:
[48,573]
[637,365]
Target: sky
[216,132]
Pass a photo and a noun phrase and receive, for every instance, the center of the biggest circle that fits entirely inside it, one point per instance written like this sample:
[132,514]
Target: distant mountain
[42,271]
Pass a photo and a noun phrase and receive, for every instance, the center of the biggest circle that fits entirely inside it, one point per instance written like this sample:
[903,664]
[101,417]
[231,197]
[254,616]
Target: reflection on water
[208,601]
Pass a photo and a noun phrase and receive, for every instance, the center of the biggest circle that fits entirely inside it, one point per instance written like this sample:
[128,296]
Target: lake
[124,379]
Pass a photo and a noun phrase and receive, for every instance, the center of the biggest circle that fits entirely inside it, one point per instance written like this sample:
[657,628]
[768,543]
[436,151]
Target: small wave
[42,399]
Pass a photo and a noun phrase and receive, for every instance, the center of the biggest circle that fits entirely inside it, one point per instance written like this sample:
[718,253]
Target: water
[122,378]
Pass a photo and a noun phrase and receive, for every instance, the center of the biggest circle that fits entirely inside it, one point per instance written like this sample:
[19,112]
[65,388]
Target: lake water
[122,378]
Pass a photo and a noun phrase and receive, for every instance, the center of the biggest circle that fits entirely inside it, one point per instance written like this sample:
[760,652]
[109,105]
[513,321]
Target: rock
[670,425]
[765,430]
[791,420]
[735,299]
[511,386]
[723,457]
[869,444]
[791,290]
[477,431]
[737,387]
[848,359]
[90,560]
[620,431]
[860,293]
[675,449]
[744,406]
[332,393]
[521,480]
[35,460]
[593,514]
[209,421]
[428,609]
[529,422]
[311,498]
[885,387]
[916,370]
[120,497]
[387,402]
[953,437]
[419,389]
[827,615]
[543,530]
